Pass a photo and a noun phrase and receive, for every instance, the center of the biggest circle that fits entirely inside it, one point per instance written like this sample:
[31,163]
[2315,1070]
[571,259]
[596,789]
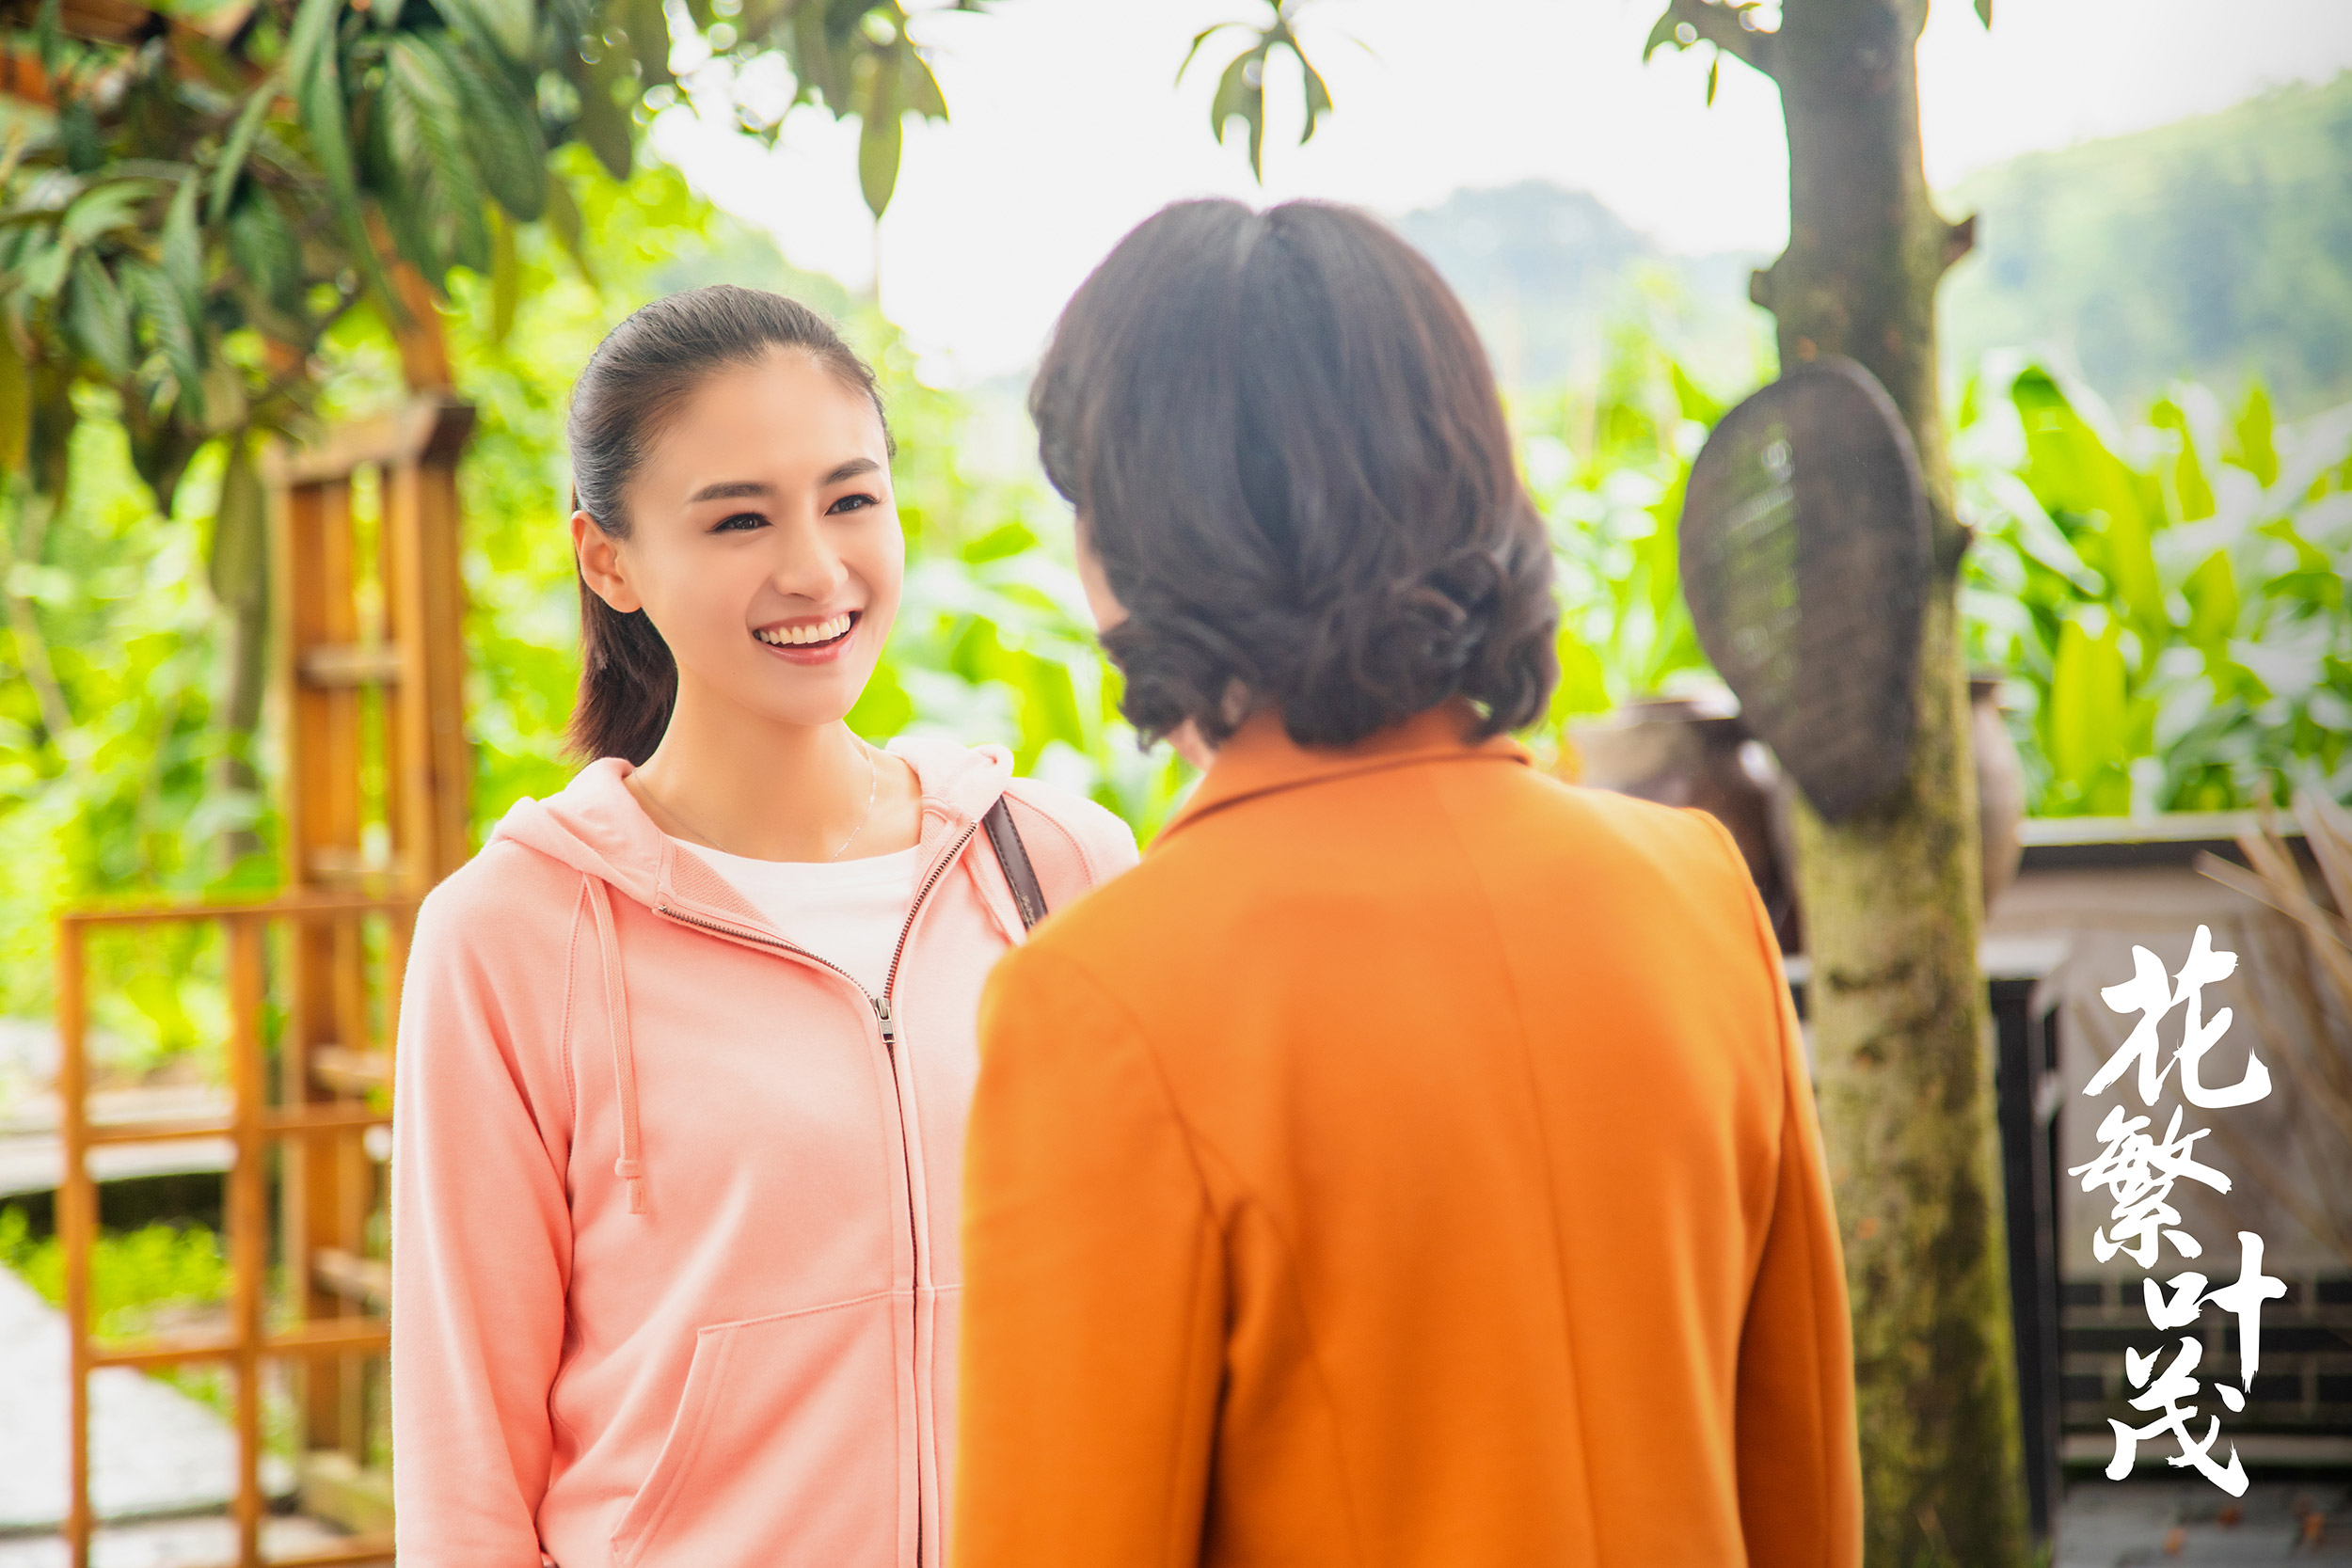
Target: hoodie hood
[595,825]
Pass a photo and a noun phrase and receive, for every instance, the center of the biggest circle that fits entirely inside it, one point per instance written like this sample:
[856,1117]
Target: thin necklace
[873,791]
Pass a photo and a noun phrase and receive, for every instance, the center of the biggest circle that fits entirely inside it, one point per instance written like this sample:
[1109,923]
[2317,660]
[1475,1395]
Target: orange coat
[1411,1163]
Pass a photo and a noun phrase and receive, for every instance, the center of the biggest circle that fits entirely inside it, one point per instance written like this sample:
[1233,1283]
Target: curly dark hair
[1285,445]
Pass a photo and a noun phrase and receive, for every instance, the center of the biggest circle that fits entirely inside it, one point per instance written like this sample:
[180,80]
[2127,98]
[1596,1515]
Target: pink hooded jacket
[675,1206]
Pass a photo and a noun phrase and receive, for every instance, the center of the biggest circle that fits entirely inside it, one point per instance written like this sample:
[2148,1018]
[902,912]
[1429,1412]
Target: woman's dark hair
[1285,445]
[630,389]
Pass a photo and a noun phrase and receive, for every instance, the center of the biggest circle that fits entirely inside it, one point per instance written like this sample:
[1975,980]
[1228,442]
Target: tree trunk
[1901,1029]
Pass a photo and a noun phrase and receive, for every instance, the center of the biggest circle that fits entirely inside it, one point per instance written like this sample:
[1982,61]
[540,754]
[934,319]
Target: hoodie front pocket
[784,1450]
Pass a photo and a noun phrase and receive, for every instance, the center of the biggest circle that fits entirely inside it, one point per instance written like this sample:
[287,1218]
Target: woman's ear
[599,558]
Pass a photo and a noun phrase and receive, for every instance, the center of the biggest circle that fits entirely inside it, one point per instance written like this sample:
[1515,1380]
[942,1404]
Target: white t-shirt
[848,912]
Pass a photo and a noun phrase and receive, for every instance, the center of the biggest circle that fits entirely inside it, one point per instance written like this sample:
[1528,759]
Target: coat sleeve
[1798,1464]
[481,1251]
[1093,1320]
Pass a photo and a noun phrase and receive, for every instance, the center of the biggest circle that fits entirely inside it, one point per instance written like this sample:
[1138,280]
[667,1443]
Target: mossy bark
[1901,1029]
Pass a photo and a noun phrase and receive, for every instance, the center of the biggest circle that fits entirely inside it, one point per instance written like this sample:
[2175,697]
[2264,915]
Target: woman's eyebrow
[737,489]
[727,490]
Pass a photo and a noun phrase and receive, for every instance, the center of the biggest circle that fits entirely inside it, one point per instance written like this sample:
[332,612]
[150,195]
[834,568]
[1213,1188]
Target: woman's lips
[825,652]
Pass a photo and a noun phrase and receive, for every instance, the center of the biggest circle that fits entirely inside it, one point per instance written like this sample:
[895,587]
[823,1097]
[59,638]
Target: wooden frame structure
[252,1123]
[368,605]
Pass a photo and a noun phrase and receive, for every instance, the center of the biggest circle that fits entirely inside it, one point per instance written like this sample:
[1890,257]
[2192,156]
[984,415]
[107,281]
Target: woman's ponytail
[630,387]
[628,680]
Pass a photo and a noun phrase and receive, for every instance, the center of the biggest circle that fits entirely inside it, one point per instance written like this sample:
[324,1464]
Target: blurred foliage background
[2163,587]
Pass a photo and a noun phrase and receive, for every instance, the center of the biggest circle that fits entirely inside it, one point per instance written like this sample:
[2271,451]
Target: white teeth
[824,631]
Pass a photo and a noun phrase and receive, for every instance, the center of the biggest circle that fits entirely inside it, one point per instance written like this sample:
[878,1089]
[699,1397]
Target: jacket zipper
[887,1021]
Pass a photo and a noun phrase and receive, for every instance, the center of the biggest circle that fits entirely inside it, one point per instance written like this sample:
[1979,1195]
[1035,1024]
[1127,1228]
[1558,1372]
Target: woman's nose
[805,563]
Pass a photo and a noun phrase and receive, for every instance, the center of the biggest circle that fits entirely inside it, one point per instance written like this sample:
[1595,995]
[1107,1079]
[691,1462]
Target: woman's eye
[852,503]
[740,521]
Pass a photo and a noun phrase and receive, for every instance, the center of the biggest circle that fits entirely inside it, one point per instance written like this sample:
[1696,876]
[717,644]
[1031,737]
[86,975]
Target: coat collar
[1261,758]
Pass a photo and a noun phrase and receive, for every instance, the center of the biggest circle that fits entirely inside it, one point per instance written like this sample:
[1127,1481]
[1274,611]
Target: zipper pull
[883,1016]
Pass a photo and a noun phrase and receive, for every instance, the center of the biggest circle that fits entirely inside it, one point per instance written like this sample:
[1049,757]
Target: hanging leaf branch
[1241,91]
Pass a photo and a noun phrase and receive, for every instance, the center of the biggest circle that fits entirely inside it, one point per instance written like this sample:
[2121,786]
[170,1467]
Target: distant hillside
[2218,247]
[1545,271]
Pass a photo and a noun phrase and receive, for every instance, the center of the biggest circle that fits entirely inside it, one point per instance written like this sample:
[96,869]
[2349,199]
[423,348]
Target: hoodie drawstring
[629,1168]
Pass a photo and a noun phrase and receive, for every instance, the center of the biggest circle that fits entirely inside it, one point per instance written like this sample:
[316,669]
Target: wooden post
[335,1068]
[248,1223]
[360,689]
[322,815]
[77,1224]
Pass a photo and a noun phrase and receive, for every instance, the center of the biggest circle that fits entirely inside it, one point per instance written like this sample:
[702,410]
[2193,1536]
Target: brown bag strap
[1014,857]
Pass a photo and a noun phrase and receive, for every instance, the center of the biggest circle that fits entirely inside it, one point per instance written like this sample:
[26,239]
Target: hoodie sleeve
[481,1235]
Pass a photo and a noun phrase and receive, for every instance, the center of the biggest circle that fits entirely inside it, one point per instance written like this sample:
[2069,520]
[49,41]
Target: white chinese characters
[2141,1173]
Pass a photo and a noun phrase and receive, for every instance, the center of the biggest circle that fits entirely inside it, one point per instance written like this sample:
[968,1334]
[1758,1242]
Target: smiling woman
[685,1052]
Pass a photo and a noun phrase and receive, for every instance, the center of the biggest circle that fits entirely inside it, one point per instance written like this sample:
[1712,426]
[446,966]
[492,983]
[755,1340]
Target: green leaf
[569,228]
[240,145]
[813,60]
[79,136]
[2212,602]
[1583,679]
[49,36]
[608,128]
[1714,71]
[16,404]
[264,254]
[42,272]
[880,137]
[400,167]
[97,318]
[1984,12]
[315,74]
[2251,445]
[183,250]
[2191,492]
[919,89]
[649,42]
[1318,93]
[2071,471]
[102,209]
[2130,564]
[1204,36]
[502,134]
[1241,93]
[1662,35]
[311,37]
[430,119]
[159,305]
[239,567]
[506,279]
[502,30]
[1691,401]
[2085,729]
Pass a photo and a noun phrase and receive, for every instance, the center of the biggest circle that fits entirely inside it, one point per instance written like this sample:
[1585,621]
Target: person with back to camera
[685,1052]
[1413,1161]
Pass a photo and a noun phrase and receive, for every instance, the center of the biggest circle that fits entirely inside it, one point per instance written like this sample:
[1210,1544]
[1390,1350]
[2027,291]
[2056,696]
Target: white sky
[1069,129]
